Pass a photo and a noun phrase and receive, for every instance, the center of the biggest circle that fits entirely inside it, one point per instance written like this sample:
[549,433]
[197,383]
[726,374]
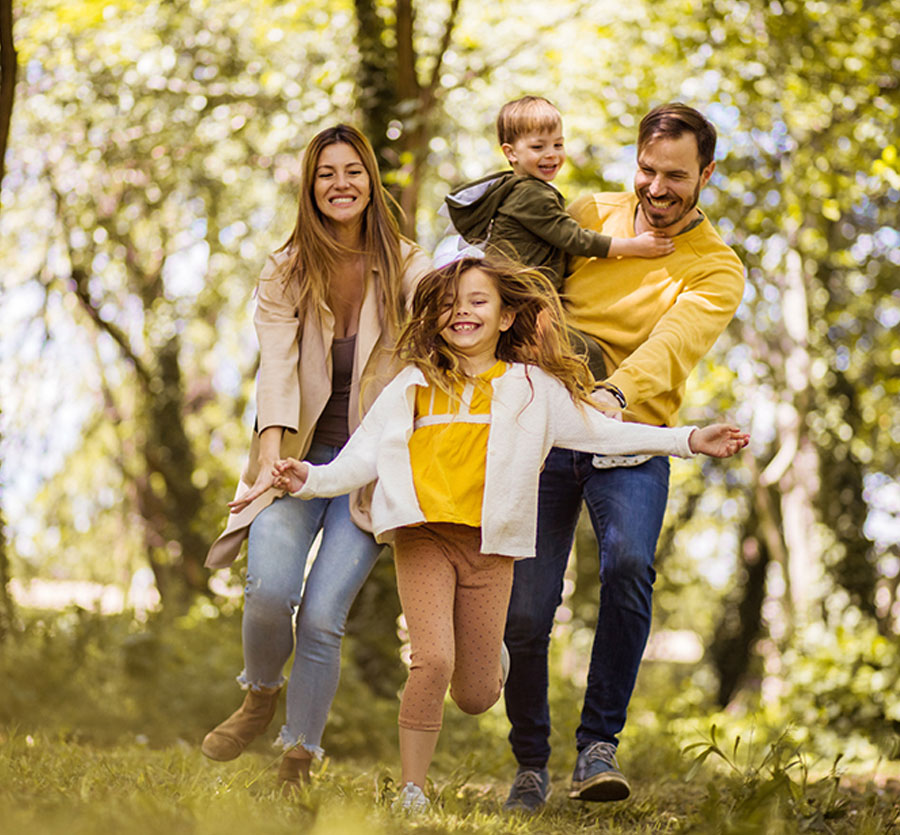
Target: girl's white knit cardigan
[531,412]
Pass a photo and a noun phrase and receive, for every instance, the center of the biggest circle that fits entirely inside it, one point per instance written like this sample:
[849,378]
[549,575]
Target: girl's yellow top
[448,449]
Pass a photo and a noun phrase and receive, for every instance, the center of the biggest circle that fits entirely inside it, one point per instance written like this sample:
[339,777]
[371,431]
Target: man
[653,320]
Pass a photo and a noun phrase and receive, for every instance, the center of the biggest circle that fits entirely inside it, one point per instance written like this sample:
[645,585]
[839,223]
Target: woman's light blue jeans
[278,546]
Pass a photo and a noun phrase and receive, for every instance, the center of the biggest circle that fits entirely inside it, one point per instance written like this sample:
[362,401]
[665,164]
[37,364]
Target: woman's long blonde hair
[315,252]
[537,335]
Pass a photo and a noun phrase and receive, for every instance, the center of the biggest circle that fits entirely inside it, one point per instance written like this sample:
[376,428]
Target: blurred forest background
[152,162]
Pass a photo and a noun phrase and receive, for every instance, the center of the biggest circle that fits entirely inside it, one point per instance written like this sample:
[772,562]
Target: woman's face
[341,185]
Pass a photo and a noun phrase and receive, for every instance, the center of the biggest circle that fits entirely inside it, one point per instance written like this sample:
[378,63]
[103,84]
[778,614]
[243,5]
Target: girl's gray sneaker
[529,790]
[411,800]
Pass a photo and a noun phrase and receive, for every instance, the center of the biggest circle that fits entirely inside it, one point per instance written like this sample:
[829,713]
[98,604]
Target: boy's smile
[539,155]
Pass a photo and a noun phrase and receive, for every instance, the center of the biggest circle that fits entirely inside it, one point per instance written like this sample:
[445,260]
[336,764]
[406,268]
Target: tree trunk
[397,106]
[7,610]
[731,651]
[841,502]
[167,451]
[8,70]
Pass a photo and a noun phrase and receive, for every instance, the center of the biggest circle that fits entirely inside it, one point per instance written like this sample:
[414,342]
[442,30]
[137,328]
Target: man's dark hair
[673,119]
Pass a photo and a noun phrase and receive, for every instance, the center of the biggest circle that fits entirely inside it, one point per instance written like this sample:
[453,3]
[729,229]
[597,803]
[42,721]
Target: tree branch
[449,25]
[489,67]
[79,278]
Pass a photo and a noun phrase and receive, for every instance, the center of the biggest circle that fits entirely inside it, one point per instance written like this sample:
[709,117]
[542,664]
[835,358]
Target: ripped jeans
[278,547]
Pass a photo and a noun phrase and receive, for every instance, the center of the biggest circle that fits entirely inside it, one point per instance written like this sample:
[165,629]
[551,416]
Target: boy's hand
[720,440]
[652,244]
[290,474]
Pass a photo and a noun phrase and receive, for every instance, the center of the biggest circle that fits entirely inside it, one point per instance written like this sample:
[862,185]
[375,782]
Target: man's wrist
[615,391]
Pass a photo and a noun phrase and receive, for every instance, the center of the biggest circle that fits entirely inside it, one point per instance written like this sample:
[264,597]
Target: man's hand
[608,404]
[290,474]
[720,440]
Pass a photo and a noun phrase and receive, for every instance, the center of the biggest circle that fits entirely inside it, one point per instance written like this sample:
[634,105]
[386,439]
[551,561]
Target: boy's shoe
[597,776]
[411,800]
[529,790]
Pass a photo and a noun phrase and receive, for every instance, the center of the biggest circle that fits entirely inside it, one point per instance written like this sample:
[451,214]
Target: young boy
[521,215]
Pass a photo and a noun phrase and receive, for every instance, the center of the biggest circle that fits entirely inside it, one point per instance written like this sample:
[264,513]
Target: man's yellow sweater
[653,317]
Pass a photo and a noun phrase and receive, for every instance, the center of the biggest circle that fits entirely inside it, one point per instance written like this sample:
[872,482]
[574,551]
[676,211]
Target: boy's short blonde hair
[529,114]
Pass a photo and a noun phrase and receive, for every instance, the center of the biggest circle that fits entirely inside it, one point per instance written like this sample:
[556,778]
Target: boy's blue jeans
[626,507]
[279,542]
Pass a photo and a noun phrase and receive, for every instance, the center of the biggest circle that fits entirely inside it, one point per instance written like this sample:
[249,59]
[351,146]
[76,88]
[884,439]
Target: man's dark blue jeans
[626,507]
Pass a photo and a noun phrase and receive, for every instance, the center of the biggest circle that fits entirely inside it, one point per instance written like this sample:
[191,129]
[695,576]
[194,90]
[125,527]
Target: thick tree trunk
[741,625]
[7,610]
[8,70]
[841,502]
[168,454]
[397,106]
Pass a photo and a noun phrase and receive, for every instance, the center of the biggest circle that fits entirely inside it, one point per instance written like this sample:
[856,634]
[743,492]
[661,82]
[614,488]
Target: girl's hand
[290,474]
[720,440]
[263,482]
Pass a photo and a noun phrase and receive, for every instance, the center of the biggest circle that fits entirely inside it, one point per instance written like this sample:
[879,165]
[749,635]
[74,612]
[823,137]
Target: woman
[330,305]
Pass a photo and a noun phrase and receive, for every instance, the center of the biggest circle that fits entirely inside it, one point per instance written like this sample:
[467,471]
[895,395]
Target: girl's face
[475,321]
[341,186]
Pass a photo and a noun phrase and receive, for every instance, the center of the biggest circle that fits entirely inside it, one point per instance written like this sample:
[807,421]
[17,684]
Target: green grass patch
[101,718]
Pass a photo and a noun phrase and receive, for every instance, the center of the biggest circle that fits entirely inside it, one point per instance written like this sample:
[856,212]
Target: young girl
[457,441]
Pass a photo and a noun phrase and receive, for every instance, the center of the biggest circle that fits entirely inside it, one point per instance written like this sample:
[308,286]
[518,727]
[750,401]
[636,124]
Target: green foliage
[763,786]
[843,693]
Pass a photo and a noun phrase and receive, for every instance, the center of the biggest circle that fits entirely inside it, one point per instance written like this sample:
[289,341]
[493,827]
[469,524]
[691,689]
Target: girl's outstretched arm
[720,440]
[290,474]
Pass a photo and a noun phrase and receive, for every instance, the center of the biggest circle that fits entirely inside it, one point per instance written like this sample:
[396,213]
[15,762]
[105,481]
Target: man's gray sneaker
[529,790]
[597,776]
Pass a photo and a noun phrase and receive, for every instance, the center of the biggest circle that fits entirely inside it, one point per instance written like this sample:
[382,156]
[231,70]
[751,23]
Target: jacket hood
[473,206]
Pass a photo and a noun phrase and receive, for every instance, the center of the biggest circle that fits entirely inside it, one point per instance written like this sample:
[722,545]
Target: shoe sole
[216,755]
[519,806]
[601,788]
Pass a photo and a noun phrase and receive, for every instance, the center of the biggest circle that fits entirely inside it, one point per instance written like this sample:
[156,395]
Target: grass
[100,721]
[58,786]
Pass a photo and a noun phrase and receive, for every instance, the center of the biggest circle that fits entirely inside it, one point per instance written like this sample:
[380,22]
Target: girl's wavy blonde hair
[537,335]
[313,249]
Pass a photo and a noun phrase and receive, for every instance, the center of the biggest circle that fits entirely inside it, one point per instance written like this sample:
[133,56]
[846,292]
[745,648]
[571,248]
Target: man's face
[668,181]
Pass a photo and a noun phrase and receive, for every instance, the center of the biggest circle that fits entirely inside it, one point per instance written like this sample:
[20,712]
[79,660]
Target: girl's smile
[475,320]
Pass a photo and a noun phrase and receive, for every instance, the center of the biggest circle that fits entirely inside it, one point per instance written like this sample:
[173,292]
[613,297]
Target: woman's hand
[290,474]
[269,453]
[720,440]
[264,481]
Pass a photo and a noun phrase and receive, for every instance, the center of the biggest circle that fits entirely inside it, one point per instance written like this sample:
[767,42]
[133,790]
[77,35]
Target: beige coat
[294,383]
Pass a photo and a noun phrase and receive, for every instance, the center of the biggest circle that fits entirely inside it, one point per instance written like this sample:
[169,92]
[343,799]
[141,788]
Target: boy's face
[538,155]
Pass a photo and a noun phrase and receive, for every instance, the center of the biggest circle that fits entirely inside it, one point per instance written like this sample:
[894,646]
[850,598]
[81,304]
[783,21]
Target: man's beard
[658,223]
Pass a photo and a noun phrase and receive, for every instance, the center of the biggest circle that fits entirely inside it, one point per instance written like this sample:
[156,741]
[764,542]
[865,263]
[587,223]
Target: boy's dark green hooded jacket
[524,218]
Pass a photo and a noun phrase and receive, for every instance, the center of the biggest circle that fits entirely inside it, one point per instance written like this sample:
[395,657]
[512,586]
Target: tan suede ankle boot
[293,773]
[228,740]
